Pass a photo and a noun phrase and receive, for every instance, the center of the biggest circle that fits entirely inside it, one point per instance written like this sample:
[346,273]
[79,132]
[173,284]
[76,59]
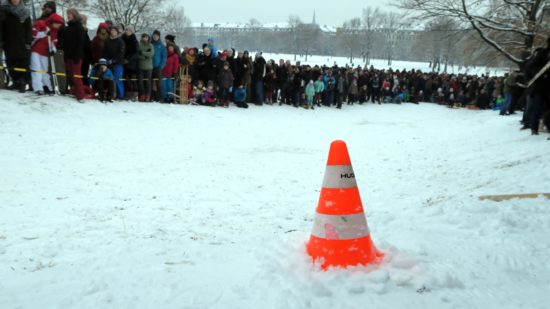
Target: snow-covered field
[133,205]
[383,64]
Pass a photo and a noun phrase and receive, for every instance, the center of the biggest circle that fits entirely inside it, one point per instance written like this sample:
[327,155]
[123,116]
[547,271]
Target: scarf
[19,11]
[190,59]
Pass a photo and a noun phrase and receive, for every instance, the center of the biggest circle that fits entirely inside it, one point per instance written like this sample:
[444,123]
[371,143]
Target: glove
[230,89]
[53,51]
[41,35]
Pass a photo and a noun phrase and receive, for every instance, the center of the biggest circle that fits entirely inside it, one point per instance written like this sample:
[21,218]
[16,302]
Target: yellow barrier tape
[42,72]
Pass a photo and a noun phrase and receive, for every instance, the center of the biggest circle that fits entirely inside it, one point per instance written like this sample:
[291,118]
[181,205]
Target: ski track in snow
[132,205]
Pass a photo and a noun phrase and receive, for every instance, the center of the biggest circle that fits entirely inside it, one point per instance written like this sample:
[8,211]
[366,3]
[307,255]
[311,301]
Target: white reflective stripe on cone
[339,177]
[334,227]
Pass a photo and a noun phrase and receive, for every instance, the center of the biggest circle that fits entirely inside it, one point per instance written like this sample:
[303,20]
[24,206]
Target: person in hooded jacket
[15,40]
[169,74]
[131,65]
[114,52]
[159,61]
[98,42]
[146,53]
[43,46]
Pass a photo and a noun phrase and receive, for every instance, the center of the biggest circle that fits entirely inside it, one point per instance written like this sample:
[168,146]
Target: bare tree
[293,23]
[512,27]
[371,22]
[142,14]
[392,24]
[350,34]
[177,23]
[308,37]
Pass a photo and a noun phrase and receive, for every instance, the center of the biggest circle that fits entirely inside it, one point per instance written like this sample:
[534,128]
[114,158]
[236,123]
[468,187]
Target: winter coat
[40,32]
[172,65]
[15,31]
[282,75]
[146,53]
[310,90]
[319,86]
[131,57]
[72,40]
[206,69]
[209,96]
[259,69]
[98,42]
[114,51]
[353,89]
[159,57]
[244,71]
[96,74]
[225,79]
[240,95]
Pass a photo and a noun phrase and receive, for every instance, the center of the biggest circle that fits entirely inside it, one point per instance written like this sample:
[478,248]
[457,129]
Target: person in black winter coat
[282,78]
[87,56]
[114,52]
[258,75]
[131,64]
[205,66]
[15,40]
[538,92]
[71,40]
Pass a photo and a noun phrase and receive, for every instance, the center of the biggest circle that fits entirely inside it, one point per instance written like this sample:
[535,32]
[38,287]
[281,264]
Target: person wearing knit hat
[48,9]
[131,63]
[44,42]
[159,61]
[145,65]
[114,52]
[171,40]
[98,42]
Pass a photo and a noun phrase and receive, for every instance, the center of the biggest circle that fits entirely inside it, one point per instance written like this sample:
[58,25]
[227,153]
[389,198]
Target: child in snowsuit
[310,93]
[102,81]
[43,46]
[225,82]
[240,97]
[319,88]
[209,97]
[198,92]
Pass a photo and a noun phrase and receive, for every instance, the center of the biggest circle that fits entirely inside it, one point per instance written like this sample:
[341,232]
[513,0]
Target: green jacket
[146,53]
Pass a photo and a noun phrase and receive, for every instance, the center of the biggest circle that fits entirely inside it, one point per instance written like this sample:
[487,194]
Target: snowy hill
[133,205]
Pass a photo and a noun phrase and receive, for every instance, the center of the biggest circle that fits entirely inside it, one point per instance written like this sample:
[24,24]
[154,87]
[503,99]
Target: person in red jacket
[170,73]
[44,42]
[98,43]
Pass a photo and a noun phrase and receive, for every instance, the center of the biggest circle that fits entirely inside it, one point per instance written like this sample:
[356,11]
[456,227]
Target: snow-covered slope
[160,206]
[383,64]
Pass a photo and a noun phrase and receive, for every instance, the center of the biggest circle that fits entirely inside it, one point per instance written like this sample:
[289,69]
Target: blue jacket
[159,58]
[108,75]
[240,95]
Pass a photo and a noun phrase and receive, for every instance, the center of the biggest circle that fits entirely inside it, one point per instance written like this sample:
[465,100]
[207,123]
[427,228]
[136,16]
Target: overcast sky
[332,12]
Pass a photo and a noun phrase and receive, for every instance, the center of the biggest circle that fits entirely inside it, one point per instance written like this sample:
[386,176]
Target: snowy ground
[383,64]
[158,206]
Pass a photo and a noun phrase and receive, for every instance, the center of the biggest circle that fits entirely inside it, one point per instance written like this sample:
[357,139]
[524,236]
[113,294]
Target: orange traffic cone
[340,234]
